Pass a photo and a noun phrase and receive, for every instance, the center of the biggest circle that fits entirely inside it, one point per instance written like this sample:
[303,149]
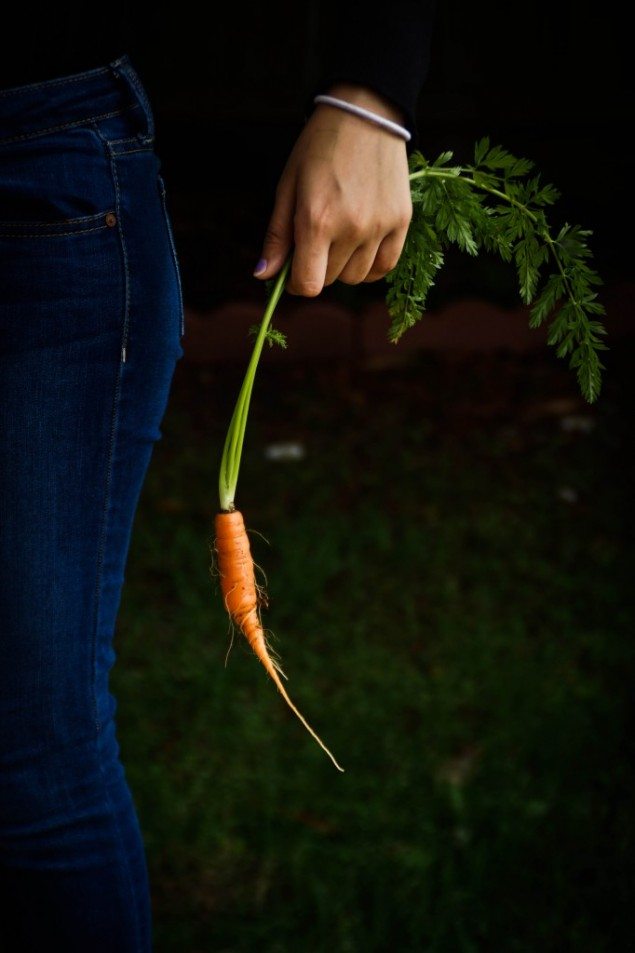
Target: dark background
[449,558]
[550,81]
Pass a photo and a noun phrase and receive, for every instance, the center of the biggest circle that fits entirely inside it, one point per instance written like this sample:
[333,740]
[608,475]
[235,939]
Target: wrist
[365,96]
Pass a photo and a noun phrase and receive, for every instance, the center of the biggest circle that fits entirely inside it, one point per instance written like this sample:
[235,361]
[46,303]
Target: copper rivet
[111,219]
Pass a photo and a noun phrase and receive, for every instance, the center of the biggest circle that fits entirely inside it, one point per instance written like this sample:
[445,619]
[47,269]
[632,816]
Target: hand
[343,201]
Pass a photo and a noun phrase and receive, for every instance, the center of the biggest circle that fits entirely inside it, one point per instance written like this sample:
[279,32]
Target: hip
[86,241]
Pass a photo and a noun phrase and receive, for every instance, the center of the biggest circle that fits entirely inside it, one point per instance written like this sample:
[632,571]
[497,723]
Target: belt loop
[123,68]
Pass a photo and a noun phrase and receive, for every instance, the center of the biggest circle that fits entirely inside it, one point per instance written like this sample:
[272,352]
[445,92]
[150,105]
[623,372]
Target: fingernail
[261,266]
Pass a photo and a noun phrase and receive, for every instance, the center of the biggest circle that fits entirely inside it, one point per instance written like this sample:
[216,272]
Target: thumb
[279,234]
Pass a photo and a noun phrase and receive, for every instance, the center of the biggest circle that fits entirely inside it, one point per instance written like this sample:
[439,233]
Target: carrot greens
[489,204]
[492,204]
[232,451]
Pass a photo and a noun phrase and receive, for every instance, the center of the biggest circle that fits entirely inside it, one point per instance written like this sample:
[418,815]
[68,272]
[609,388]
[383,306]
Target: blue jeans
[91,321]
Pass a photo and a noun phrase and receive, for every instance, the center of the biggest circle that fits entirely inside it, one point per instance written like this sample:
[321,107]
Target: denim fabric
[91,322]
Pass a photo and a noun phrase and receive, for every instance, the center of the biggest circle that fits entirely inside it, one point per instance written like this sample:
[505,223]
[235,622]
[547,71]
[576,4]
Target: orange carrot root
[242,598]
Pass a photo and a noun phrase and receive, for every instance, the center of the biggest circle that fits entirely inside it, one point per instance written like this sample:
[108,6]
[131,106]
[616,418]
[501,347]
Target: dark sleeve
[386,48]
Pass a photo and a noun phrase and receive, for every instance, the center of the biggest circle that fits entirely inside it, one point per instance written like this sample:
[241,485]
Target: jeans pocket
[56,184]
[59,229]
[175,260]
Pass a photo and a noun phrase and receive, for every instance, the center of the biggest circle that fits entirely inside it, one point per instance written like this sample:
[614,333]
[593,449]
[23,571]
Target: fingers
[387,254]
[343,208]
[318,260]
[370,261]
[278,238]
[353,249]
[339,247]
[312,230]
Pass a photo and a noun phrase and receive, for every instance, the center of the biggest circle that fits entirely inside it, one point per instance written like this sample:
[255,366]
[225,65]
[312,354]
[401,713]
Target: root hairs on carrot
[230,644]
[238,585]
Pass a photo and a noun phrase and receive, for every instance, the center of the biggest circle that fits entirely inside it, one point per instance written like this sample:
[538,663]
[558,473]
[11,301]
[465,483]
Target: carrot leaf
[272,335]
[493,205]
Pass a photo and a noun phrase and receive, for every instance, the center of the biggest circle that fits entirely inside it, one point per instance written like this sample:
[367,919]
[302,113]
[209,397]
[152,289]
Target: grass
[447,594]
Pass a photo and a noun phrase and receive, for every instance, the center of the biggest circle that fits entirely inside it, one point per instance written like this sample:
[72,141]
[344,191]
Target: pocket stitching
[79,231]
[129,152]
[67,125]
[21,228]
[23,223]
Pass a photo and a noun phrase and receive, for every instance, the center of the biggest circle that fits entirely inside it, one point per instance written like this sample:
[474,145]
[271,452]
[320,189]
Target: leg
[77,428]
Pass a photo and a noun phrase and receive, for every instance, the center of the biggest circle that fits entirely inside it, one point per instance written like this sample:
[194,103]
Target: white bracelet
[365,114]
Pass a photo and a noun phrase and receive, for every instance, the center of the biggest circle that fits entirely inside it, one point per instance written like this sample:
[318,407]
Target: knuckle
[356,226]
[405,217]
[312,219]
[387,262]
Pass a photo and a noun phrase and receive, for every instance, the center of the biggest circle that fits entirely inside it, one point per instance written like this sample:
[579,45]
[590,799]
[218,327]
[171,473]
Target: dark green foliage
[415,272]
[489,205]
[460,634]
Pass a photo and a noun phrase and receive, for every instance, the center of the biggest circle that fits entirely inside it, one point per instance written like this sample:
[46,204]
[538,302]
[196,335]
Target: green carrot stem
[232,450]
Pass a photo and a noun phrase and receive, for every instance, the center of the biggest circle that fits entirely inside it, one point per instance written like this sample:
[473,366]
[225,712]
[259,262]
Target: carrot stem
[232,450]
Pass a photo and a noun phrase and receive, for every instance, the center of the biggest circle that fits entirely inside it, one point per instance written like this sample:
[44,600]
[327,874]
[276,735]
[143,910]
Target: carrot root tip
[237,569]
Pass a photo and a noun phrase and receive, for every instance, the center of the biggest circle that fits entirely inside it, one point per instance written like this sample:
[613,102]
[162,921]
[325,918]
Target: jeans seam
[175,260]
[112,442]
[118,142]
[111,156]
[124,70]
[78,231]
[67,221]
[129,152]
[67,125]
[61,81]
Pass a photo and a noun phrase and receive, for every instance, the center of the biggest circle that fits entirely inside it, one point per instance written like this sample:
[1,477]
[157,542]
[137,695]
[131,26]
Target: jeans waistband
[37,108]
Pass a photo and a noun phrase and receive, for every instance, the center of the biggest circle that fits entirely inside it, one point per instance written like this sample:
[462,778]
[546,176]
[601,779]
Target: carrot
[238,585]
[241,593]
